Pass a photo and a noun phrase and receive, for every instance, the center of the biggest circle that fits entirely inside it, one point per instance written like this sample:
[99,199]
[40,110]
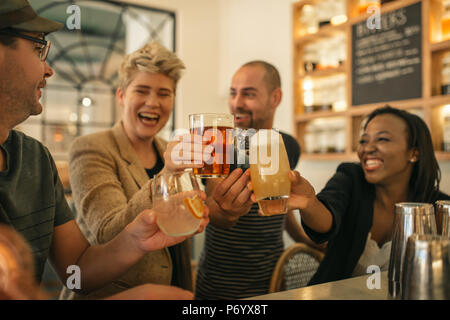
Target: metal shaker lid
[414,208]
[443,204]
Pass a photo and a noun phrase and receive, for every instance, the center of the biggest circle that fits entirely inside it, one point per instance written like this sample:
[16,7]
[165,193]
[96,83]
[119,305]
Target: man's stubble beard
[18,100]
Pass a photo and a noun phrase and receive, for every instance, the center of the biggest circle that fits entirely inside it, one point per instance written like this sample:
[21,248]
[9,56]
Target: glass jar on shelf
[333,83]
[308,95]
[334,45]
[331,130]
[340,135]
[326,98]
[445,74]
[308,20]
[310,138]
[340,103]
[342,49]
[317,94]
[322,136]
[322,54]
[324,12]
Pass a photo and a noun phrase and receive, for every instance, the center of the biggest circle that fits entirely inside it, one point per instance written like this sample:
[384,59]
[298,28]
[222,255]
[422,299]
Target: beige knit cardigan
[110,188]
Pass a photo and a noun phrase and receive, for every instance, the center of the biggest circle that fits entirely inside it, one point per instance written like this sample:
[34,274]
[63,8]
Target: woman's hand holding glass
[179,203]
[147,236]
[302,193]
[303,197]
[186,152]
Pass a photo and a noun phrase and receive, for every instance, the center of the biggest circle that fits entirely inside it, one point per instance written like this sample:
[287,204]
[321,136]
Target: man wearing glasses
[31,195]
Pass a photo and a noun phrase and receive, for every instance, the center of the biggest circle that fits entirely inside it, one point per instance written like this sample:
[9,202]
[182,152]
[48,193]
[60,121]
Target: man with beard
[31,194]
[242,247]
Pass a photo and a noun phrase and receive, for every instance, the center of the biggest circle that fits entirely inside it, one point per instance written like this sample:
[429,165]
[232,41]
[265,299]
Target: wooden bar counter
[349,289]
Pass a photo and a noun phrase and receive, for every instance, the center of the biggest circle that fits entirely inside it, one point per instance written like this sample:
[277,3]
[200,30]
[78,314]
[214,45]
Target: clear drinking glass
[269,172]
[216,130]
[177,203]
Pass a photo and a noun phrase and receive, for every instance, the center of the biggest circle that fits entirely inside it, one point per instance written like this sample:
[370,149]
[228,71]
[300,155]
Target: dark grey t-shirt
[31,195]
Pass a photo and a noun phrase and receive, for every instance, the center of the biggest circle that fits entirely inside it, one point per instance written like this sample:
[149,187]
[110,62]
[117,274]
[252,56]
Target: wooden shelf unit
[324,73]
[430,104]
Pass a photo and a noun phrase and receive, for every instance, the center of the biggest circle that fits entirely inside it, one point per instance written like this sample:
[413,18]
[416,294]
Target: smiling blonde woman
[110,171]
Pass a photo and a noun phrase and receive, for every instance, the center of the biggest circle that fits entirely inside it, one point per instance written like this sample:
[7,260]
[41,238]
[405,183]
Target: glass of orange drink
[269,172]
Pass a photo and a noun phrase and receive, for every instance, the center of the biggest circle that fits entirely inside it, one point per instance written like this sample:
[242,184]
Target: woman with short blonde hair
[153,58]
[110,171]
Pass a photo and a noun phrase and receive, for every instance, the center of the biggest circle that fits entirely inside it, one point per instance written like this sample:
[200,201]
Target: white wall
[198,47]
[255,29]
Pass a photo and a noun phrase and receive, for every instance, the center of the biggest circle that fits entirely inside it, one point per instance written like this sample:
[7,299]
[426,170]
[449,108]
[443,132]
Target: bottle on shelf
[445,21]
[310,58]
[445,74]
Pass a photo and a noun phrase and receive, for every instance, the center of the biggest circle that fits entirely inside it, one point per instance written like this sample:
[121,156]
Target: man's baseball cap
[19,14]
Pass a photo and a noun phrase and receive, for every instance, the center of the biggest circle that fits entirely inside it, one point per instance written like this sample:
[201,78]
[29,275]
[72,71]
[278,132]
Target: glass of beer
[269,172]
[216,129]
[177,203]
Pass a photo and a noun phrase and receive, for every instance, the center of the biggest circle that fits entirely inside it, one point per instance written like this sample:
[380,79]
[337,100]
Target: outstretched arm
[303,197]
[103,263]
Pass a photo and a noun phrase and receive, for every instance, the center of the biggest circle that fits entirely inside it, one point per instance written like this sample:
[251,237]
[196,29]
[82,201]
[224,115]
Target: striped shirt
[238,262]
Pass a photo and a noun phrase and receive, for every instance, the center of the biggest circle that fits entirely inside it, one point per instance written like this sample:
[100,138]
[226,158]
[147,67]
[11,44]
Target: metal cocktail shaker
[426,273]
[443,217]
[410,217]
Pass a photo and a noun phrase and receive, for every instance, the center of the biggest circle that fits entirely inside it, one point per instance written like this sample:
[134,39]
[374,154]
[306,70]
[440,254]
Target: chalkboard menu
[387,56]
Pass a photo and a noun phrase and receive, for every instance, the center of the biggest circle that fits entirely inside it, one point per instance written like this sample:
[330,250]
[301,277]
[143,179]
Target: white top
[373,255]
